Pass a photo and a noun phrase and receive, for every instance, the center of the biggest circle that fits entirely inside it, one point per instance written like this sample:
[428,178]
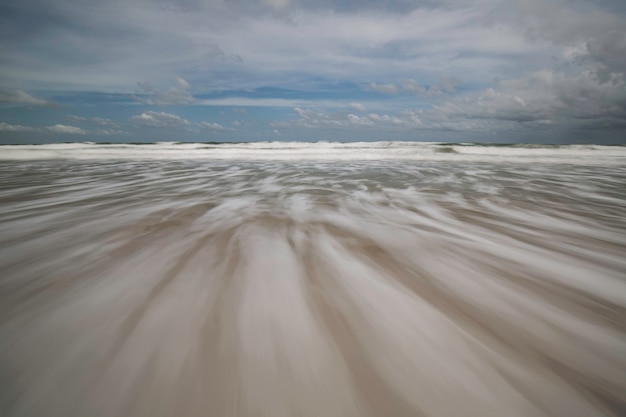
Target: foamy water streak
[322,287]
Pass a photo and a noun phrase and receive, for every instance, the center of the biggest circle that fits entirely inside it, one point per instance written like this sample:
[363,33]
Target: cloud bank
[544,70]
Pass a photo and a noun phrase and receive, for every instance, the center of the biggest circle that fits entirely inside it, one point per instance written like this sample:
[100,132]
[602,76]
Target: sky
[535,71]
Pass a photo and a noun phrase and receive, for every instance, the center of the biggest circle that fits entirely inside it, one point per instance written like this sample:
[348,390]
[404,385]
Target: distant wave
[286,151]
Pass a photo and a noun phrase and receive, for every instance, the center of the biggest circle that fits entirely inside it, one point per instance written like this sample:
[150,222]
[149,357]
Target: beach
[312,279]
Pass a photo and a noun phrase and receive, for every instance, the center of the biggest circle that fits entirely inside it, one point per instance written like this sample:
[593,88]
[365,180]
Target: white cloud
[59,129]
[546,99]
[182,83]
[200,36]
[169,120]
[412,86]
[5,127]
[22,98]
[175,95]
[159,119]
[214,126]
[109,132]
[380,46]
[445,84]
[268,102]
[322,119]
[311,118]
[385,88]
[75,118]
[65,129]
[358,106]
[385,118]
[99,121]
[356,120]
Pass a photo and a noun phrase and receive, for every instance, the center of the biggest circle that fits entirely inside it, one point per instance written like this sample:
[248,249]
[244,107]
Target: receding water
[312,280]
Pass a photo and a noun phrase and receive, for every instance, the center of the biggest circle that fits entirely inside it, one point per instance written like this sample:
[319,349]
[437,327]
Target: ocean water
[312,279]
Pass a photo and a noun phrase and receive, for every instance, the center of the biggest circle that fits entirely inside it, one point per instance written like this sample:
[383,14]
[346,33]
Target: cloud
[562,22]
[448,83]
[565,99]
[59,129]
[312,119]
[215,126]
[159,119]
[445,84]
[545,99]
[227,44]
[384,88]
[358,120]
[269,102]
[412,86]
[70,130]
[175,95]
[99,121]
[182,83]
[277,4]
[168,120]
[5,127]
[609,50]
[595,33]
[530,64]
[385,118]
[21,98]
[358,107]
[109,132]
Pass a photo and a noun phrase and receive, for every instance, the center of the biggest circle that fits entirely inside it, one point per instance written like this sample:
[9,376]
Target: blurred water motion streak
[317,288]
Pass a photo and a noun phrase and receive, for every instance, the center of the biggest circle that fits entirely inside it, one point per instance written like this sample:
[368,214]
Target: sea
[280,279]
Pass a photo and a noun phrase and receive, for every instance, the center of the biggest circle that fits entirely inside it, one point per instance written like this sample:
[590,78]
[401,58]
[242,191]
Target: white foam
[294,151]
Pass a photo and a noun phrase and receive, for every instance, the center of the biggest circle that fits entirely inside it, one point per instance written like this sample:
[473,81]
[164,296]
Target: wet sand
[242,288]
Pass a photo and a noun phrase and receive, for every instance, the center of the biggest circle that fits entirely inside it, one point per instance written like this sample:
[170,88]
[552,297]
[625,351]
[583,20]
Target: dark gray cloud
[609,50]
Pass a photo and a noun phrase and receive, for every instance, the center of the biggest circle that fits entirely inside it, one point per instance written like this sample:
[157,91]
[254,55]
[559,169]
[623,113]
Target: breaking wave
[297,151]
